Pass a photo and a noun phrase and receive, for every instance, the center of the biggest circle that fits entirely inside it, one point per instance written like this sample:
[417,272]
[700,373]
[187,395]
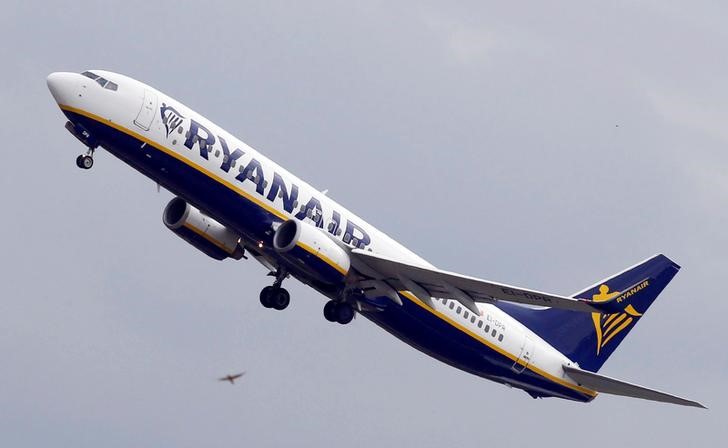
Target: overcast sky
[544,144]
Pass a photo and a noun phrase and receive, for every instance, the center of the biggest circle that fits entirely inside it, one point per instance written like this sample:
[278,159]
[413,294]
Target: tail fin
[590,338]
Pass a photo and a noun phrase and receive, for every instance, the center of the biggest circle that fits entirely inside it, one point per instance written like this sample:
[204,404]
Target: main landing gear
[86,161]
[340,312]
[274,296]
[278,298]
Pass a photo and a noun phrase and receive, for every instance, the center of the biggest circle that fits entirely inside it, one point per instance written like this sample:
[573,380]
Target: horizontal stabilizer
[607,385]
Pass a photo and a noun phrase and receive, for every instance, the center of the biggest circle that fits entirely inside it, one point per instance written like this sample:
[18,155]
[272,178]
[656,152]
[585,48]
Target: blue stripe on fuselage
[423,329]
[412,323]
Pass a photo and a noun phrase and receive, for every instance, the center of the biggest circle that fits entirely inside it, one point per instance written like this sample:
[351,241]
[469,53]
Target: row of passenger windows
[103,82]
[473,318]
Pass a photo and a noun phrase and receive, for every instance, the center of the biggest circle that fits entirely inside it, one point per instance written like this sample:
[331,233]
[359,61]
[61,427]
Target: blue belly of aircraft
[412,323]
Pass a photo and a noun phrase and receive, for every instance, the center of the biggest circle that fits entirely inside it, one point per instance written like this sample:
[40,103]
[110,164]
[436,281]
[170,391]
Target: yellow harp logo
[608,326]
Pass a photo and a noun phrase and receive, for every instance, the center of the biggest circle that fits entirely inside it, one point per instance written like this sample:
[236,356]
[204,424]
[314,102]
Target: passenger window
[459,309]
[241,168]
[500,337]
[487,329]
[493,333]
[480,324]
[472,320]
[347,237]
[452,305]
[466,314]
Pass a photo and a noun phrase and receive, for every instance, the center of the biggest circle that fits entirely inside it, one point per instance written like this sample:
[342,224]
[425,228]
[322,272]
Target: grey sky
[546,145]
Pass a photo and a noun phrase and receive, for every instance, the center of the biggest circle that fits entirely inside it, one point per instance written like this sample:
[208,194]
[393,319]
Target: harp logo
[608,326]
[170,117]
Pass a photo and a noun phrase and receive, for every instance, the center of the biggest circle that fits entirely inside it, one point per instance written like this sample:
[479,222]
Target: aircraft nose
[62,86]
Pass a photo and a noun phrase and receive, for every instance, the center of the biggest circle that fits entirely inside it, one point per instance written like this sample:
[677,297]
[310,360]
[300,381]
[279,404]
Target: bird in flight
[231,378]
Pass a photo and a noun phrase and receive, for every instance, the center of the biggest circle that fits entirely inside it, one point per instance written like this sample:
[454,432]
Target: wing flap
[439,283]
[607,385]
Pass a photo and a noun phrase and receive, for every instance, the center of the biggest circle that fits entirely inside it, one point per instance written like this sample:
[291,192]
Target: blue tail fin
[590,338]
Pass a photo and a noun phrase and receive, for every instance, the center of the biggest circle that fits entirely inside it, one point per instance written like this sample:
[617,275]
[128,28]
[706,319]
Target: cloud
[705,115]
[465,43]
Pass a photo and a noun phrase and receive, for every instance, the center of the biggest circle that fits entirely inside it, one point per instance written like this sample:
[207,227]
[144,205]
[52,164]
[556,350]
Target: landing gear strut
[86,161]
[274,296]
[340,312]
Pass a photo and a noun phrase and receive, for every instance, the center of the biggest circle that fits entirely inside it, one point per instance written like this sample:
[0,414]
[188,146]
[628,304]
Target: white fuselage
[133,110]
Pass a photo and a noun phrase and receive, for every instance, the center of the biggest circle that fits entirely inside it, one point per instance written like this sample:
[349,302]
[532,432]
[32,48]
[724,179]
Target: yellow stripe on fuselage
[279,214]
[496,348]
[199,168]
[179,157]
[321,257]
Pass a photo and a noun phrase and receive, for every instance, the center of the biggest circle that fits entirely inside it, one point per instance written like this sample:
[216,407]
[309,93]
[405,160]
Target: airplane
[231,378]
[233,202]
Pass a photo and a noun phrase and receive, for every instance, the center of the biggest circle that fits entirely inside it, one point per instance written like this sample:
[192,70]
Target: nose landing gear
[83,161]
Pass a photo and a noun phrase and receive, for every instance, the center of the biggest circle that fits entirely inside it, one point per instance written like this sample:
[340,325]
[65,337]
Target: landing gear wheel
[344,313]
[85,161]
[330,311]
[280,298]
[265,296]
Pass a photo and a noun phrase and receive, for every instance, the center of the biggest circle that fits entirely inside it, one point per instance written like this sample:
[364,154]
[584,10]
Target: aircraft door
[146,113]
[526,356]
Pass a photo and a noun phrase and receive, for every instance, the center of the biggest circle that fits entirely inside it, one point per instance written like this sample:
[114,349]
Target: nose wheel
[85,161]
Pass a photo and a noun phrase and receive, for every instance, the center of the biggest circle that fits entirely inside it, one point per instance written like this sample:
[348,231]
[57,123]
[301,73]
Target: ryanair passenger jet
[232,201]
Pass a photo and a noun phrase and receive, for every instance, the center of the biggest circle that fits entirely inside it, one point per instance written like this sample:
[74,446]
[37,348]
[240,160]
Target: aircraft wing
[425,282]
[607,385]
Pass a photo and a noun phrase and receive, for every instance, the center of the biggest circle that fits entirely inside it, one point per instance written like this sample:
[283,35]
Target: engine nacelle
[203,232]
[312,249]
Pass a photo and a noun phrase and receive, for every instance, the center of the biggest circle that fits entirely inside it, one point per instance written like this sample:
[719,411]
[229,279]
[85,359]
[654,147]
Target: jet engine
[312,249]
[203,232]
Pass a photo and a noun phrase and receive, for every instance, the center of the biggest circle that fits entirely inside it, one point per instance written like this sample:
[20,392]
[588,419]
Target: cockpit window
[103,82]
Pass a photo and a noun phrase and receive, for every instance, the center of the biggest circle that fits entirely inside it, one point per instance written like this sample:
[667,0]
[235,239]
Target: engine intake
[312,249]
[201,231]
